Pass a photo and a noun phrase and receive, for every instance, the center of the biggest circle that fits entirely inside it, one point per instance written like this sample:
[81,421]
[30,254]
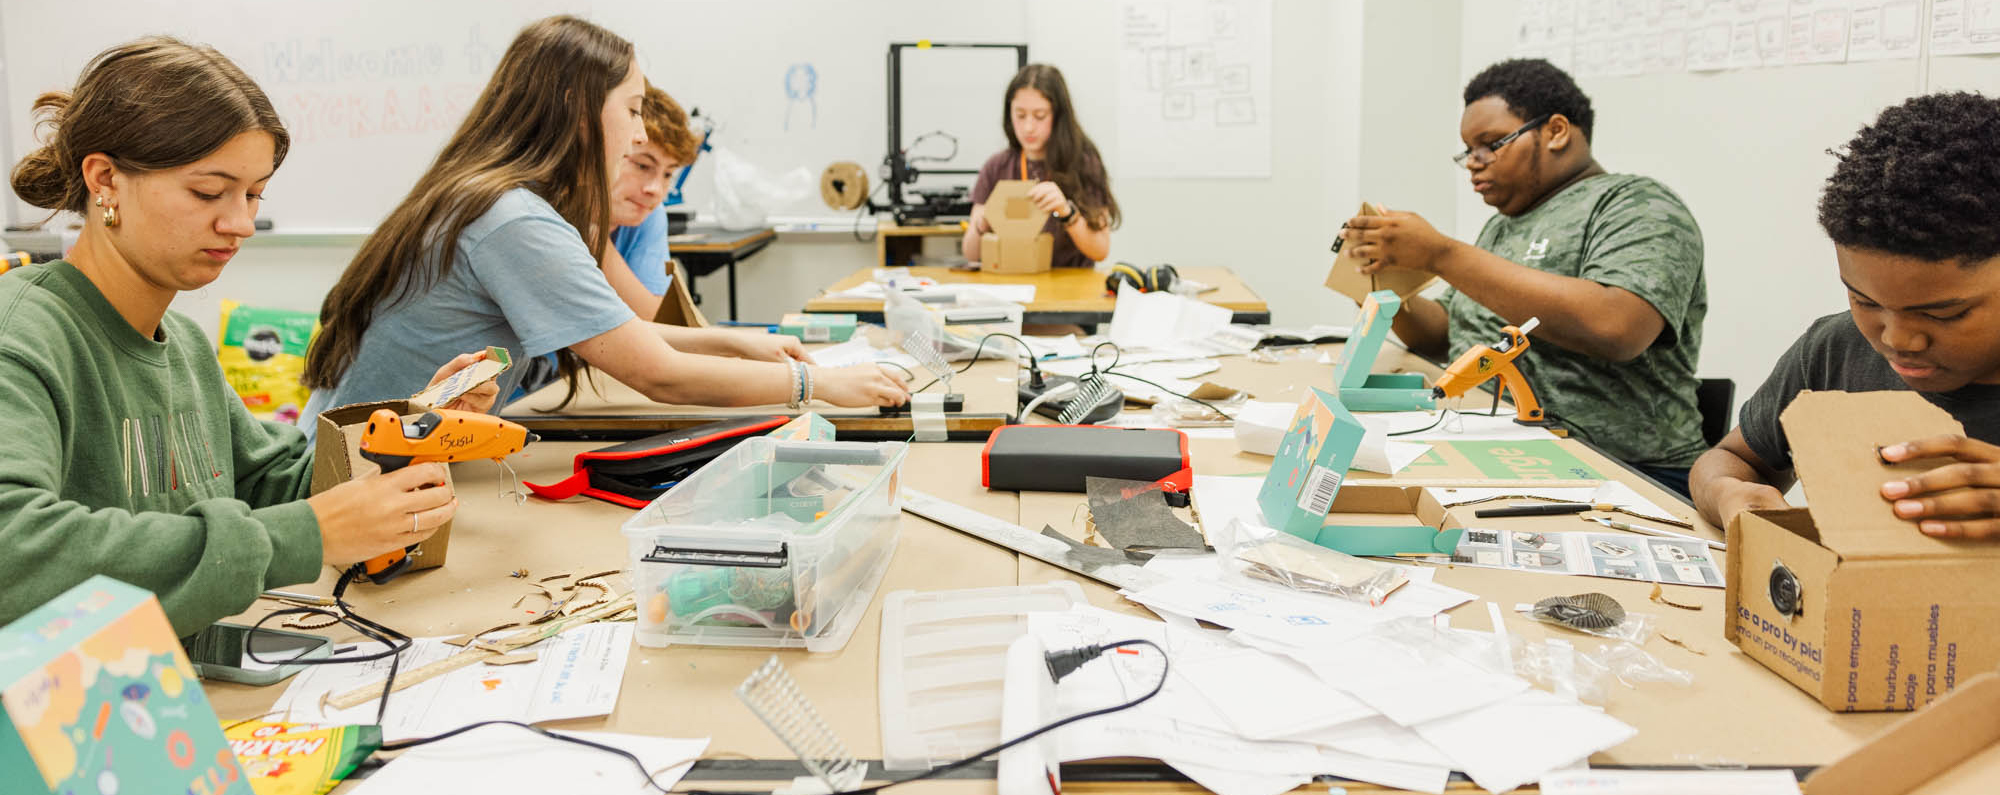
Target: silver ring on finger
[414,529]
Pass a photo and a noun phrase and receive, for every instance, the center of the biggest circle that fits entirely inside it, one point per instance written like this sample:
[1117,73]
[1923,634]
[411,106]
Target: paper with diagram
[1620,555]
[1194,76]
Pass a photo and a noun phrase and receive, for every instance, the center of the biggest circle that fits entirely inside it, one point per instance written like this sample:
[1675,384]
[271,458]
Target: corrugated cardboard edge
[677,307]
[1017,243]
[1346,278]
[496,362]
[1918,747]
[1835,438]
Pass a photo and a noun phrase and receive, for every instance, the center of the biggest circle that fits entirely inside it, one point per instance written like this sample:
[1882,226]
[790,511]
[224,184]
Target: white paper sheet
[1884,29]
[1142,320]
[1964,27]
[1409,686]
[577,675]
[1523,738]
[502,760]
[1265,697]
[1233,782]
[1386,772]
[1194,76]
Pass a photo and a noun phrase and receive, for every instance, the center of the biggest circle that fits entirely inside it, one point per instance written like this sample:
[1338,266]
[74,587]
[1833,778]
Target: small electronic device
[1093,405]
[219,652]
[1064,457]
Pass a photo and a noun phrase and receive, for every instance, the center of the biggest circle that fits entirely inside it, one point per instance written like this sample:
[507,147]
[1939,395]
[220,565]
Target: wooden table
[1062,296]
[1736,712]
[720,248]
[896,244]
[606,409]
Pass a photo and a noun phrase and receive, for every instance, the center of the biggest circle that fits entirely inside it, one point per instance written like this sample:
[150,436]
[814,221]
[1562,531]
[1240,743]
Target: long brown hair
[149,105]
[537,124]
[1072,160]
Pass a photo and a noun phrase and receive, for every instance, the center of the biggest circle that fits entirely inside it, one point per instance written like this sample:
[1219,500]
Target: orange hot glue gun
[1486,362]
[439,435]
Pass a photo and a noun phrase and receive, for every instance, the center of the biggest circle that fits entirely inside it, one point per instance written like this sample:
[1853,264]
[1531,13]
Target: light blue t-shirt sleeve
[644,248]
[545,282]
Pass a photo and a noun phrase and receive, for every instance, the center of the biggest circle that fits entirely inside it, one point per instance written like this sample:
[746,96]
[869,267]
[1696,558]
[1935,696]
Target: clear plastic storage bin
[774,544]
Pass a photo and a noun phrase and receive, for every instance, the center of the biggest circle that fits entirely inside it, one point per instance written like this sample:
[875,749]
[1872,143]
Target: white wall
[1747,151]
[1274,232]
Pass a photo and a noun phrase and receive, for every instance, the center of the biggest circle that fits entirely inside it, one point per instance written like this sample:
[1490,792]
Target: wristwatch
[1071,216]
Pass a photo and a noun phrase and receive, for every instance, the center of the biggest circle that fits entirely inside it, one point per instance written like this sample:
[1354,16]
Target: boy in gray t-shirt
[1611,264]
[1913,209]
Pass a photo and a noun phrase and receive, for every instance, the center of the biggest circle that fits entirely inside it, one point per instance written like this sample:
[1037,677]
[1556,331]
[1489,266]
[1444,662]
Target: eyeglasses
[1484,154]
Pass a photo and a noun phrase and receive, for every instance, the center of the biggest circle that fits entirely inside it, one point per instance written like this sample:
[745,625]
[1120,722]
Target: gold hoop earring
[110,217]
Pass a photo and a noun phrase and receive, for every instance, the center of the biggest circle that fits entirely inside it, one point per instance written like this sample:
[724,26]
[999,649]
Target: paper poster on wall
[1965,27]
[1710,23]
[1881,31]
[1816,31]
[1194,96]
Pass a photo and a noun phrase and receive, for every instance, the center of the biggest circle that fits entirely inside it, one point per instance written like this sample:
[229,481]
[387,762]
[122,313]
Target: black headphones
[1148,279]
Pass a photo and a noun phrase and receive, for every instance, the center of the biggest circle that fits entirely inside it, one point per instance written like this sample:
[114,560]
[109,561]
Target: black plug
[1065,662]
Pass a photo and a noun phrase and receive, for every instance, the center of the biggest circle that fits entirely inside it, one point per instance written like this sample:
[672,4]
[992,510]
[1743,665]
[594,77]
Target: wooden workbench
[1062,295]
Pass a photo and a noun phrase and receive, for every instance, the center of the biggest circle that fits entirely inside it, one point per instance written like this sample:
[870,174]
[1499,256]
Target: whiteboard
[370,89]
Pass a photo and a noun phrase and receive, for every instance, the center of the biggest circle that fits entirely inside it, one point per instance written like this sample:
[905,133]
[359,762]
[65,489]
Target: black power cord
[395,643]
[1060,663]
[1034,372]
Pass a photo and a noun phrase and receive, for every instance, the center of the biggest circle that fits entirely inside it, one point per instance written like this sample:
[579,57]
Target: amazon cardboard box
[337,444]
[1346,278]
[1844,599]
[1017,243]
[1951,747]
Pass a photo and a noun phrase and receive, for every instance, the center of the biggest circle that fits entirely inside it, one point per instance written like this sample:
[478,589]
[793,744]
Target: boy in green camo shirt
[1610,263]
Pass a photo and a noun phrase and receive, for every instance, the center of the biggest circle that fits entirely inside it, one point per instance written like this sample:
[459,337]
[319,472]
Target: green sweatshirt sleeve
[207,562]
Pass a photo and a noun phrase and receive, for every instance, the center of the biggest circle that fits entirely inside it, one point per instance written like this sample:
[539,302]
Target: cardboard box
[337,444]
[1304,486]
[1361,390]
[100,698]
[1346,278]
[812,327]
[1951,747]
[677,306]
[1017,243]
[1844,599]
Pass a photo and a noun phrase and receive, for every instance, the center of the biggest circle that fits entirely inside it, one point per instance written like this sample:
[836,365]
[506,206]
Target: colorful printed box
[100,699]
[1361,390]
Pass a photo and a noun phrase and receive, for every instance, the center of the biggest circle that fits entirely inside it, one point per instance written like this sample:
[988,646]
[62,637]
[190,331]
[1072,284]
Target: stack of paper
[1251,719]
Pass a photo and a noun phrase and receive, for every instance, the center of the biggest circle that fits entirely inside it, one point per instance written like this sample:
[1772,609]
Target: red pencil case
[635,473]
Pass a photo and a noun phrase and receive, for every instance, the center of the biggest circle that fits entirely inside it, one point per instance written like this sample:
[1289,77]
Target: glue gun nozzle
[533,438]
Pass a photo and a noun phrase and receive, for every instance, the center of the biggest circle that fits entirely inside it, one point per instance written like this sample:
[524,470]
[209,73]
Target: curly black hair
[1533,88]
[1922,181]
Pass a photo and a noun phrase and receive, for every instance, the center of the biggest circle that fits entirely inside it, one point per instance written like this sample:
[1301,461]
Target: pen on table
[1653,531]
[307,598]
[1548,509]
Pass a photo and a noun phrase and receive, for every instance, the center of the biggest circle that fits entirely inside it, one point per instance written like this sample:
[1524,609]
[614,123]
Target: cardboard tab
[1346,278]
[1948,737]
[1017,243]
[677,307]
[496,362]
[1836,438]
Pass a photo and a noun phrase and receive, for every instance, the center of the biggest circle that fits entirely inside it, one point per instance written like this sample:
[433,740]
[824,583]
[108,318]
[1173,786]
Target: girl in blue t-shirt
[500,242]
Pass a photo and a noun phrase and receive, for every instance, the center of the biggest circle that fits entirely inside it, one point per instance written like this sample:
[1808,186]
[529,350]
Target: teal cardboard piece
[818,327]
[99,698]
[1360,390]
[1311,462]
[1387,539]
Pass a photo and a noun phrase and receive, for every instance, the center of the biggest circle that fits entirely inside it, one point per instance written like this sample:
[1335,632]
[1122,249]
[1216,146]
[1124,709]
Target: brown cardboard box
[1017,243]
[337,445]
[1843,598]
[677,306]
[1951,747]
[1347,279]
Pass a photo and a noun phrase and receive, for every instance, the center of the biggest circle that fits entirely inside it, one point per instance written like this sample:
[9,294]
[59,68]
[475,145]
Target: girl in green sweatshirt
[122,450]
